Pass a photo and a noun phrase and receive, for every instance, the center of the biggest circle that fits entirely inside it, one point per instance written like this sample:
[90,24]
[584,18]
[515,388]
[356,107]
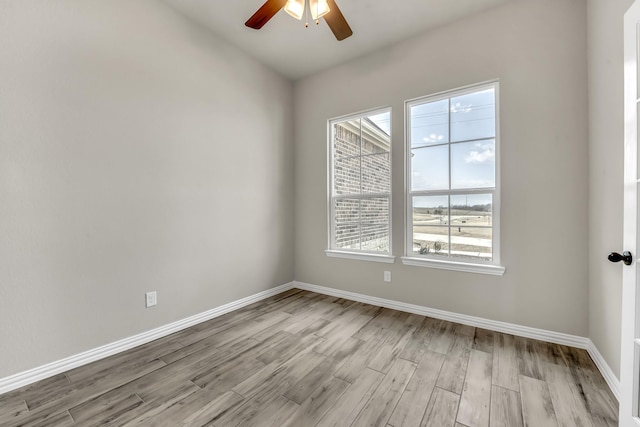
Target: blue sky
[471,133]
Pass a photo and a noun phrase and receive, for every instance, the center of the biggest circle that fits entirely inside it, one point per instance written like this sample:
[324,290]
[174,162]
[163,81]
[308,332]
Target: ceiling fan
[327,9]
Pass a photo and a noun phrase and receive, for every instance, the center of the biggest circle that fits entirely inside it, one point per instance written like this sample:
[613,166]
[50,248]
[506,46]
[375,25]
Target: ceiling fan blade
[265,13]
[337,23]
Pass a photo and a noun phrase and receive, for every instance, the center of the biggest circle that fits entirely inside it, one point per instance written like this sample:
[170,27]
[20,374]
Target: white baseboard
[493,325]
[605,369]
[29,377]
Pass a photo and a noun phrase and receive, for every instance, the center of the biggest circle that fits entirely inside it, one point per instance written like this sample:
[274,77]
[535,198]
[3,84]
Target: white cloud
[433,138]
[461,108]
[484,153]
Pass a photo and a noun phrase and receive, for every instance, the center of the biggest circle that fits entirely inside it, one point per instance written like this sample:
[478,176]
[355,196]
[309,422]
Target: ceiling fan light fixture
[319,8]
[295,8]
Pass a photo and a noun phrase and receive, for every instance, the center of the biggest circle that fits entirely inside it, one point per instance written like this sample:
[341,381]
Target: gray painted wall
[538,50]
[606,136]
[120,121]
[137,153]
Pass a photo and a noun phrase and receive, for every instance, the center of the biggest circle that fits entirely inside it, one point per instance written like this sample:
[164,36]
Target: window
[360,186]
[452,180]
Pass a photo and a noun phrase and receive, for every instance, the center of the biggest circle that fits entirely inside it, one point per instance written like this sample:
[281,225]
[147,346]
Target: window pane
[347,210]
[377,144]
[473,164]
[430,168]
[375,224]
[346,138]
[347,176]
[430,123]
[470,242]
[471,210]
[348,236]
[430,219]
[430,210]
[376,173]
[429,240]
[347,223]
[375,210]
[380,127]
[473,116]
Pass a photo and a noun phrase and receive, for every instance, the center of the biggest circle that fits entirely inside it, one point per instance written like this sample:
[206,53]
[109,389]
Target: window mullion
[360,224]
[361,193]
[333,220]
[362,196]
[462,191]
[449,194]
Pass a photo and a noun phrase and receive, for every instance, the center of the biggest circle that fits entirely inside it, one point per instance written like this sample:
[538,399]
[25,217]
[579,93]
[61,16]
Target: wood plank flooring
[302,359]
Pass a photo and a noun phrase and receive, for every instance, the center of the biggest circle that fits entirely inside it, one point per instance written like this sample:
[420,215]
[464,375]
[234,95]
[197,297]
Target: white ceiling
[287,46]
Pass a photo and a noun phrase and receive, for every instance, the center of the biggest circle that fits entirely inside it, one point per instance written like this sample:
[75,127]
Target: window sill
[388,259]
[495,270]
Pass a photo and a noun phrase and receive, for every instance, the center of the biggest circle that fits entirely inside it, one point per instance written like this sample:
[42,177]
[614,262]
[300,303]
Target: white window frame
[361,255]
[492,267]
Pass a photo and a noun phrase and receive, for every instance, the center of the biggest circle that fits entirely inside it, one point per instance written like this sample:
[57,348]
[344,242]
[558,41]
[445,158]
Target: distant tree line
[441,210]
[475,208]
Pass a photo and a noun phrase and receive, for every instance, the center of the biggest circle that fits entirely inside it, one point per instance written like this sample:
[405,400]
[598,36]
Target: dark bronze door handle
[625,257]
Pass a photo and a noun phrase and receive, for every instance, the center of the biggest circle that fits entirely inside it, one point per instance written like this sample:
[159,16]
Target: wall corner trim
[31,376]
[493,325]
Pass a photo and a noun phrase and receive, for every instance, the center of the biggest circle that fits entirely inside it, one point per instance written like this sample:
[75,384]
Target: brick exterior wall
[361,223]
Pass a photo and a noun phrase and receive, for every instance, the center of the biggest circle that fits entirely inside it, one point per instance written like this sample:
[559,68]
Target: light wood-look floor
[303,359]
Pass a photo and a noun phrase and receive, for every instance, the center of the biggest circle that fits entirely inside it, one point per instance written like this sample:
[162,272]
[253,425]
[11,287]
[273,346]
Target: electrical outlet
[387,276]
[151,298]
